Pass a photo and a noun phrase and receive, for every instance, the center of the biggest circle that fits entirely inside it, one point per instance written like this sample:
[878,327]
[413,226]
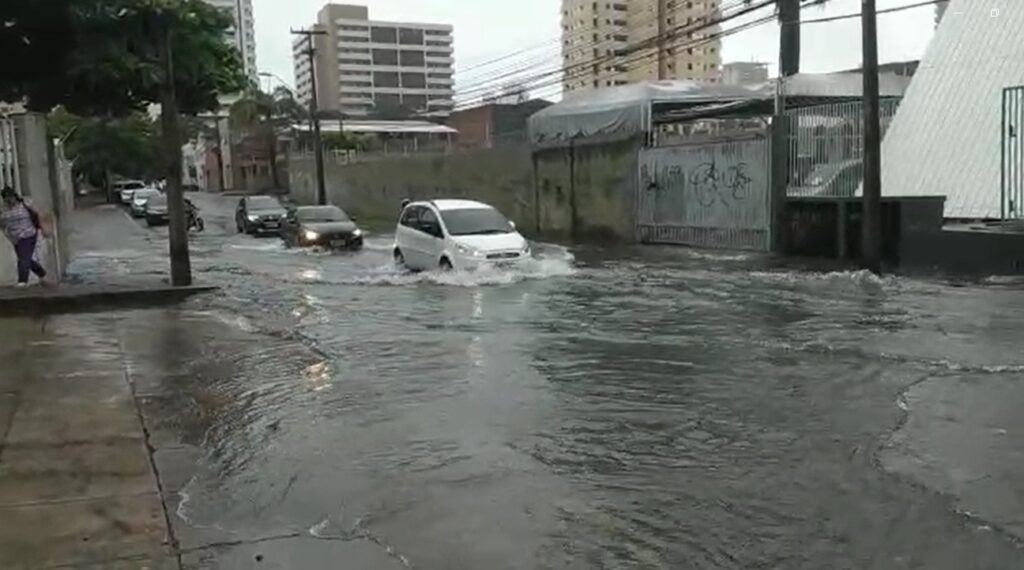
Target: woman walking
[21,225]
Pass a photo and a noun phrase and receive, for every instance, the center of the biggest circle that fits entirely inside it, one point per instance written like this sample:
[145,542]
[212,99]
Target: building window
[409,58]
[410,37]
[384,35]
[385,79]
[385,57]
[414,80]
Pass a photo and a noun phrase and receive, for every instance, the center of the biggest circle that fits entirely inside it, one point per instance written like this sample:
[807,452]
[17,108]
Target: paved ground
[92,463]
[613,408]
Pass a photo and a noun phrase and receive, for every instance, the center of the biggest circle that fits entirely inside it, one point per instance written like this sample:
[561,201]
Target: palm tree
[263,116]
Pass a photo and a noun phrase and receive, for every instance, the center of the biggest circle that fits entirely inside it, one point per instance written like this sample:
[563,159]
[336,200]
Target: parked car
[156,210]
[259,214]
[139,200]
[325,226]
[457,234]
[126,189]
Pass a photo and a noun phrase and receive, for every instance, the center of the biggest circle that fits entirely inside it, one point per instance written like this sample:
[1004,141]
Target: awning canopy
[380,127]
[618,113]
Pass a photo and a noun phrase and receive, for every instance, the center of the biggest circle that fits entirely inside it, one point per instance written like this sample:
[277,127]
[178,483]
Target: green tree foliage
[264,117]
[127,146]
[104,57]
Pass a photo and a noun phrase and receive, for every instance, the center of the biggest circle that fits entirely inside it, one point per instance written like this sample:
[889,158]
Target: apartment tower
[373,68]
[614,43]
[242,34]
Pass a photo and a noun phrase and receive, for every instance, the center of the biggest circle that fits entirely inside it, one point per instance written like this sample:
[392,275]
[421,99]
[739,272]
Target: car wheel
[445,265]
[399,258]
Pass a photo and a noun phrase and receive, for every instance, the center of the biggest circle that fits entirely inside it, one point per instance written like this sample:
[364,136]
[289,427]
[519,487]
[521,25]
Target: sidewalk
[76,483]
[110,424]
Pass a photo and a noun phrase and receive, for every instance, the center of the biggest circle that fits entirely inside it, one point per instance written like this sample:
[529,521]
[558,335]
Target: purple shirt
[17,223]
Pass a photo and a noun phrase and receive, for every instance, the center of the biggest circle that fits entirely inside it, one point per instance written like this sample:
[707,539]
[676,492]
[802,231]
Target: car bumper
[467,263]
[157,219]
[265,226]
[334,242]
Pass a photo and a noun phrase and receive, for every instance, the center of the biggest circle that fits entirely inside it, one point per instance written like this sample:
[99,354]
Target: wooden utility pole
[662,40]
[314,114]
[872,219]
[181,265]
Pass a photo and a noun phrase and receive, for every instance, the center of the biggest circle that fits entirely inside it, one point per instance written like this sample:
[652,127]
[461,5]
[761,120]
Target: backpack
[34,216]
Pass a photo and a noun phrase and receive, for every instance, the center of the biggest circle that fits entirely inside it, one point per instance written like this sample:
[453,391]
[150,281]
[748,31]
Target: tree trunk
[272,156]
[181,267]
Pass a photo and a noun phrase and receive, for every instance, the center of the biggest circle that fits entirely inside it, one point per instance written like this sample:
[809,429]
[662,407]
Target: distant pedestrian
[22,226]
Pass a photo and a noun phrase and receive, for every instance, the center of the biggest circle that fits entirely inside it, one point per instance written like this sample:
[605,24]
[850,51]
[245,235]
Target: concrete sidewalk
[105,420]
[77,486]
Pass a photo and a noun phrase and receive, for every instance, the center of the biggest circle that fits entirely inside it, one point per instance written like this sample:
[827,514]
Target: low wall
[572,192]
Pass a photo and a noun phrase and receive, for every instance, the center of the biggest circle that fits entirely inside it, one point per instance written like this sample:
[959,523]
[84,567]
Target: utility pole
[789,41]
[181,266]
[662,40]
[872,219]
[314,114]
[789,64]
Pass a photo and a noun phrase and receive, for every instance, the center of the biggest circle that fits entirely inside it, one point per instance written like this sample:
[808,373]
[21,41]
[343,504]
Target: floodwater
[608,408]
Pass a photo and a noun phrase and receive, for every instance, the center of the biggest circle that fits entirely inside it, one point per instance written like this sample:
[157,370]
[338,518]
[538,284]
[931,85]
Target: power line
[858,14]
[690,28]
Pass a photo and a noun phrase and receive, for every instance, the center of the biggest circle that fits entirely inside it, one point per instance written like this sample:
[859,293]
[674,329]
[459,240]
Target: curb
[70,299]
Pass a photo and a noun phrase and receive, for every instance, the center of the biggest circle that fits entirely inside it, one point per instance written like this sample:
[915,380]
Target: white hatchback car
[457,234]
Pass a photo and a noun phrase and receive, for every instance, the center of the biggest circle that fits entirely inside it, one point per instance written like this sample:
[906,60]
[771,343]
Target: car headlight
[311,235]
[357,233]
[466,250]
[253,218]
[526,249]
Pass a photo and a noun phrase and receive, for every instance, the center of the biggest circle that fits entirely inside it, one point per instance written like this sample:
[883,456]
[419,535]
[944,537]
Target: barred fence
[9,173]
[826,147]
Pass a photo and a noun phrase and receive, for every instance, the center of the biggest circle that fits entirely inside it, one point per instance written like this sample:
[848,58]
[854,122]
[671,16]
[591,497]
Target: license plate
[271,224]
[339,243]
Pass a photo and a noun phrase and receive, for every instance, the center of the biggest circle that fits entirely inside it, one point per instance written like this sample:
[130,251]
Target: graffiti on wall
[714,185]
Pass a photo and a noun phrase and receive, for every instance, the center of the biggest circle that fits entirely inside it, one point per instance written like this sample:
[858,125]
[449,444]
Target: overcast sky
[485,30]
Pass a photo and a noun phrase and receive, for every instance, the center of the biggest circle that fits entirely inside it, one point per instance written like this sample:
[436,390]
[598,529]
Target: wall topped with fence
[826,146]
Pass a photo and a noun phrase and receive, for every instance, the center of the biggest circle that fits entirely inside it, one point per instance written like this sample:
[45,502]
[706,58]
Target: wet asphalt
[601,408]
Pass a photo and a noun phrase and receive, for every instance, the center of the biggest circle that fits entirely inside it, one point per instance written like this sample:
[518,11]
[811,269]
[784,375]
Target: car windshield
[143,195]
[322,214]
[263,203]
[476,221]
[157,201]
[132,186]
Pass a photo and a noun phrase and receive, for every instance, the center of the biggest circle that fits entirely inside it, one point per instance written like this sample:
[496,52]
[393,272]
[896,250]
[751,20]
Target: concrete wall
[374,190]
[583,192]
[45,179]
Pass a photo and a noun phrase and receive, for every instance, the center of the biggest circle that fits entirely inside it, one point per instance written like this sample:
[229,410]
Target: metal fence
[826,147]
[9,172]
[1012,161]
[713,195]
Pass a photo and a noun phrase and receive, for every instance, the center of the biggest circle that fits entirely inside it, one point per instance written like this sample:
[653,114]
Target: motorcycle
[195,221]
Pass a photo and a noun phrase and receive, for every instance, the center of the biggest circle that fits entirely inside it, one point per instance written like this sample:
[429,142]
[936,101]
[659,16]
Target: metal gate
[1012,190]
[714,195]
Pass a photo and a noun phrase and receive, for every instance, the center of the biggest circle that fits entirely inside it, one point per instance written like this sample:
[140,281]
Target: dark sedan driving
[324,226]
[259,214]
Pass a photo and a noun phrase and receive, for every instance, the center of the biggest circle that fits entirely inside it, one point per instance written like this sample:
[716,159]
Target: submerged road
[603,408]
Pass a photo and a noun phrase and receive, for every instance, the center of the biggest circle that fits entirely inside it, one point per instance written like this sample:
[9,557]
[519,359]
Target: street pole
[662,40]
[789,64]
[789,41]
[872,219]
[314,115]
[181,267]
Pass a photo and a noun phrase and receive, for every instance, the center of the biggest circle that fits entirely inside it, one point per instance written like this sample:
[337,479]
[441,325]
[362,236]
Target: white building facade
[242,34]
[369,67]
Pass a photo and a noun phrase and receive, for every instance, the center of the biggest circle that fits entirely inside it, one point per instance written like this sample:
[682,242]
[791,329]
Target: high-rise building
[242,34]
[615,43]
[368,67]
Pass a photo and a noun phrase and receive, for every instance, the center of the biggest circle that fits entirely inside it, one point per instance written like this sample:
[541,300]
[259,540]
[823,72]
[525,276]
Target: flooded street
[602,408]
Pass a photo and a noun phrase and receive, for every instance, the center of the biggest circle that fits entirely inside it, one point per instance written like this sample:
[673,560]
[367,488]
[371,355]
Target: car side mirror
[513,224]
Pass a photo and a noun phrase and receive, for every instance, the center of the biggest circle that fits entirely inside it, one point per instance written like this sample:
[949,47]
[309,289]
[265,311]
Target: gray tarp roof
[616,113]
